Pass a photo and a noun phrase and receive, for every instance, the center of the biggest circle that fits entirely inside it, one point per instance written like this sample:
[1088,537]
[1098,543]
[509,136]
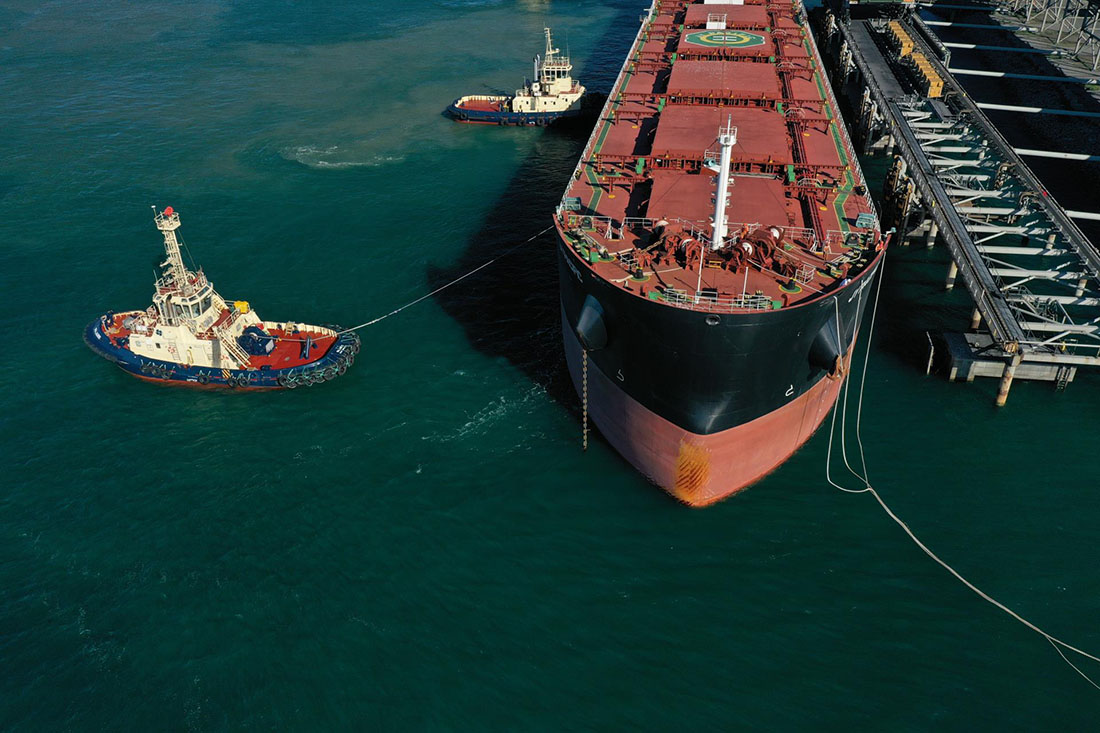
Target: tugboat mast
[175,274]
[550,50]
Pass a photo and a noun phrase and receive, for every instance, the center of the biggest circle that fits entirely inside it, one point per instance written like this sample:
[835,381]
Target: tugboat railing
[482,98]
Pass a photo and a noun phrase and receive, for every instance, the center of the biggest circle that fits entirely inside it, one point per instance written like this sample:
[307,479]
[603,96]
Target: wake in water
[314,156]
[481,422]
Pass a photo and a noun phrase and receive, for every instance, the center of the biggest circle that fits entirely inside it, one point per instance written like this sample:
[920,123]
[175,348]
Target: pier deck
[1033,275]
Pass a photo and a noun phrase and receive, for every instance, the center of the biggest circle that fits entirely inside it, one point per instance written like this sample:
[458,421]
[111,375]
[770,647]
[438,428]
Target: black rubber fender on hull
[826,352]
[591,328]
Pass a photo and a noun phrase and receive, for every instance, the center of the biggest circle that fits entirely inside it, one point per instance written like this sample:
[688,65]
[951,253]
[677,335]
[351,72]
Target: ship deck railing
[717,304]
[583,160]
[811,252]
[837,120]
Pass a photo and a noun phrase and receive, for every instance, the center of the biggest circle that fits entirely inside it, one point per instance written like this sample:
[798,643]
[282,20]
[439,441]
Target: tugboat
[553,94]
[192,336]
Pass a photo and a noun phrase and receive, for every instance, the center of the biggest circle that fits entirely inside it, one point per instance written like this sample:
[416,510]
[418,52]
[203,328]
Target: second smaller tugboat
[192,336]
[553,94]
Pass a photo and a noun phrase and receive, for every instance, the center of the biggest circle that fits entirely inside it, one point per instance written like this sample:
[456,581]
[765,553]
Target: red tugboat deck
[484,104]
[639,211]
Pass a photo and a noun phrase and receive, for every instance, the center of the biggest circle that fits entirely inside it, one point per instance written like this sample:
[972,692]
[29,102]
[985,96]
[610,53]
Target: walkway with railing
[1033,275]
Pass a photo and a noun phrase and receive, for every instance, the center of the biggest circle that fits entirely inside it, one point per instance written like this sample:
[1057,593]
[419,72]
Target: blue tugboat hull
[519,119]
[334,362]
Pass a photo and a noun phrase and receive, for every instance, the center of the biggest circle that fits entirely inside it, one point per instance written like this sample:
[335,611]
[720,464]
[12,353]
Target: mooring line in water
[1055,642]
[440,289]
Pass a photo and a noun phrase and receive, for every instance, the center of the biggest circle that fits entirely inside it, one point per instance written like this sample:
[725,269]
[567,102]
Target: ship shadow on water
[510,309]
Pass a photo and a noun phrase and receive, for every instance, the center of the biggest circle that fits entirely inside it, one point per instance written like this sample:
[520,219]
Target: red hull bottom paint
[699,469]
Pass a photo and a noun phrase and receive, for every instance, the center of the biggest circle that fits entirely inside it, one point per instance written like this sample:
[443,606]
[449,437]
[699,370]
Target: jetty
[1034,277]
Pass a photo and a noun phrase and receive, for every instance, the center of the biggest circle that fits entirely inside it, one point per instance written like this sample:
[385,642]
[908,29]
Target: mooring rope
[1059,645]
[440,289]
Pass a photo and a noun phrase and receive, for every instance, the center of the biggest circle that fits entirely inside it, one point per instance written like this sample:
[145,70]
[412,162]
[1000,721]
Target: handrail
[575,175]
[838,118]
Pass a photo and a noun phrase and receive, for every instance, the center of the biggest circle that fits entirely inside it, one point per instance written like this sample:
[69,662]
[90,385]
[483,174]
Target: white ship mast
[550,50]
[727,138]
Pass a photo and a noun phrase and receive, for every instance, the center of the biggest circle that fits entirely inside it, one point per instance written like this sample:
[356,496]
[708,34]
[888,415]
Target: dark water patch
[8,184]
[512,309]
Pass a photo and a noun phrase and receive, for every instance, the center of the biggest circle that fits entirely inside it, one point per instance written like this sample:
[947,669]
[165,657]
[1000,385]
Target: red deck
[710,77]
[483,105]
[737,16]
[653,157]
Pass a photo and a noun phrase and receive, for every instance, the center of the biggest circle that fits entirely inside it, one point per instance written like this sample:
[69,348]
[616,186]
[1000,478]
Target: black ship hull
[705,403]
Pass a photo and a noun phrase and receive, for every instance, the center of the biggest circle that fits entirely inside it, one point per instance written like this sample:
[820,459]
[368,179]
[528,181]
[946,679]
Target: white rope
[441,288]
[1057,643]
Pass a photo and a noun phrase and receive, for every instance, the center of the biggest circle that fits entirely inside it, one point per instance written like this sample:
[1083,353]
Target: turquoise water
[422,544]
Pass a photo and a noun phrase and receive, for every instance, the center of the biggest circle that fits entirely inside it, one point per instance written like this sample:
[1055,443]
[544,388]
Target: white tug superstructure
[554,89]
[553,93]
[188,320]
[192,334]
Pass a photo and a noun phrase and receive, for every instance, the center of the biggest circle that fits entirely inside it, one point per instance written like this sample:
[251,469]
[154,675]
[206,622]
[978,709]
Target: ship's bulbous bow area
[700,469]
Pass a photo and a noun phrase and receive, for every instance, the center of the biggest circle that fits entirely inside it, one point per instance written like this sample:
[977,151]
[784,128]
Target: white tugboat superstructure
[552,94]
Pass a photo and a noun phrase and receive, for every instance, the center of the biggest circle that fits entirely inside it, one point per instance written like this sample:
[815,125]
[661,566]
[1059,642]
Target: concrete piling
[1006,379]
[930,237]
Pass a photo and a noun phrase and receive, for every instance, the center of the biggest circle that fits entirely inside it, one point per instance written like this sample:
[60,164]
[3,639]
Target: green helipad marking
[725,39]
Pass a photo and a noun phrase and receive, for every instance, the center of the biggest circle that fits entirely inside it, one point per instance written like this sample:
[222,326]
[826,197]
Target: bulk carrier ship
[717,247]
